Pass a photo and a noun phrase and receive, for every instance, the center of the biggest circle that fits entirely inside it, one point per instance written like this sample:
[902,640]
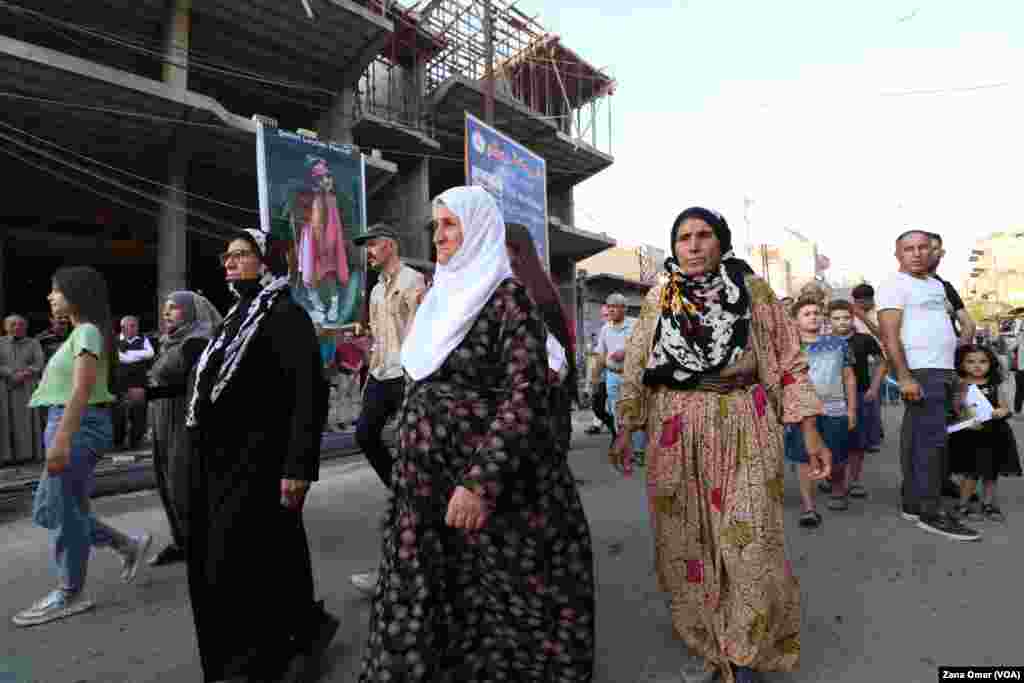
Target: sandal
[992,513]
[839,503]
[810,519]
[857,490]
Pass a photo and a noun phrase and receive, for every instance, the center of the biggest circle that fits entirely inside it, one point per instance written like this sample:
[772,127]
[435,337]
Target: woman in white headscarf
[189,320]
[487,570]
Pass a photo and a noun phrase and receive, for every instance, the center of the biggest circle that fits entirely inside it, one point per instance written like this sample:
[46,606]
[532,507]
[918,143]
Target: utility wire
[128,173]
[161,56]
[944,91]
[100,193]
[200,59]
[116,183]
[223,127]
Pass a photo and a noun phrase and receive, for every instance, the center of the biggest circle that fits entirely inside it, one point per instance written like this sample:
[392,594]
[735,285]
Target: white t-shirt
[556,358]
[612,339]
[928,338]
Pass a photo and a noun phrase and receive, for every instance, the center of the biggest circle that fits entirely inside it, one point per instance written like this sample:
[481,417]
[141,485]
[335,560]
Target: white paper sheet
[976,406]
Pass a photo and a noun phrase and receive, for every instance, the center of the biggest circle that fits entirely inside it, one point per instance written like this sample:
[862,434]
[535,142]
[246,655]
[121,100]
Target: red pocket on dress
[671,430]
[716,499]
[760,400]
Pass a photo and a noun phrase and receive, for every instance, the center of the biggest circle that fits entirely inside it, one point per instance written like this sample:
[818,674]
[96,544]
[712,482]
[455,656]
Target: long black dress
[562,395]
[172,445]
[514,601]
[987,453]
[249,570]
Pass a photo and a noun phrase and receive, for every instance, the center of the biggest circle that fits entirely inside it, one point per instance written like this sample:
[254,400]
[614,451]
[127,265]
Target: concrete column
[336,124]
[562,205]
[172,250]
[172,235]
[405,204]
[177,43]
[415,187]
[3,275]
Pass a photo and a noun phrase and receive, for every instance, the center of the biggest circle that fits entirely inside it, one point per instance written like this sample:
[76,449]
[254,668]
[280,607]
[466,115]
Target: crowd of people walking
[486,568]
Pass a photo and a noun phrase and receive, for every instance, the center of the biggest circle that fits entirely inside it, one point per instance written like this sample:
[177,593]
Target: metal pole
[489,75]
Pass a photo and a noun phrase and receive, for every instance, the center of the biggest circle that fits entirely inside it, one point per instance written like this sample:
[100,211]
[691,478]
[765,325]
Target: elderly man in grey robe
[21,367]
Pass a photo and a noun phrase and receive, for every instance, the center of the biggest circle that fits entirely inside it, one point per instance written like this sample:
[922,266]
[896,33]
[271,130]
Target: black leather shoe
[304,666]
[171,554]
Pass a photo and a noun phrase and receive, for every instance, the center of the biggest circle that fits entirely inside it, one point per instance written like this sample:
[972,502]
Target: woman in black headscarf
[713,368]
[527,267]
[256,414]
[189,321]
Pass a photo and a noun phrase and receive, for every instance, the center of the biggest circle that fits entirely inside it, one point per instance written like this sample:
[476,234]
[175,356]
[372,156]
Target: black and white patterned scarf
[703,327]
[234,347]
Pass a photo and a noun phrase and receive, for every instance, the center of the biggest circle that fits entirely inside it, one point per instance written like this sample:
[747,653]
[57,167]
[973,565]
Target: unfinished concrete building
[128,140]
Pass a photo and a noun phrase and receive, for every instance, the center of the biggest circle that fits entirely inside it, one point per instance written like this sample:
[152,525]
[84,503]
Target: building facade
[788,265]
[997,273]
[129,140]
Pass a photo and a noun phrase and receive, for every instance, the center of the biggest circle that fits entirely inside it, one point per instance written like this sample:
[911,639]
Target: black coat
[250,578]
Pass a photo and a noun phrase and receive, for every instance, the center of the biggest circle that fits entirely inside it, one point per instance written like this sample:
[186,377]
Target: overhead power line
[118,184]
[945,91]
[222,127]
[105,195]
[67,150]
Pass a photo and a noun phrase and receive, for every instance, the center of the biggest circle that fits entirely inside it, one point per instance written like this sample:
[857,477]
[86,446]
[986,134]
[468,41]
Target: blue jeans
[835,432]
[613,382]
[61,502]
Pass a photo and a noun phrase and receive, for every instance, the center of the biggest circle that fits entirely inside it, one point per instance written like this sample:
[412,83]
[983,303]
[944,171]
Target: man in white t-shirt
[609,361]
[921,348]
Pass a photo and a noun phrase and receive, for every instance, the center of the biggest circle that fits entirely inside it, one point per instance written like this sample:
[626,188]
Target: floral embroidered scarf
[704,325]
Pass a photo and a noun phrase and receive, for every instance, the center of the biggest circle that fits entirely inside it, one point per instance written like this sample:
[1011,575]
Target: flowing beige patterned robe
[715,487]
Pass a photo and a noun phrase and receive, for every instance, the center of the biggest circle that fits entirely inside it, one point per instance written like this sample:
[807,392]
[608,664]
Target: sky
[821,112]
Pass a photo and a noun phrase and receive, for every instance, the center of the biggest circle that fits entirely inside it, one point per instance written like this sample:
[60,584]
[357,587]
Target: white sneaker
[366,583]
[131,560]
[56,605]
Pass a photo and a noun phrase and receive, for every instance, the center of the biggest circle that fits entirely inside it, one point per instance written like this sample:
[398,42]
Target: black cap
[375,231]
[863,291]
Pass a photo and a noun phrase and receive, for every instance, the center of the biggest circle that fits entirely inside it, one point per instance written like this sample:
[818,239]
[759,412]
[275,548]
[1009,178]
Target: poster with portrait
[514,175]
[313,203]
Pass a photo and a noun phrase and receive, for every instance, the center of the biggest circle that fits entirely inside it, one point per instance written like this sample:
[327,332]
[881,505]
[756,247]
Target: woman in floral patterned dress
[713,368]
[488,571]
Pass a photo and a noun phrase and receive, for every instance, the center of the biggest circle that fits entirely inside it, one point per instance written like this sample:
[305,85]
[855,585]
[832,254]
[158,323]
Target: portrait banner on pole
[313,203]
[514,175]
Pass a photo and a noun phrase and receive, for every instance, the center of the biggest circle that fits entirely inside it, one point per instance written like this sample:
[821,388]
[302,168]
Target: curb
[131,472]
[122,473]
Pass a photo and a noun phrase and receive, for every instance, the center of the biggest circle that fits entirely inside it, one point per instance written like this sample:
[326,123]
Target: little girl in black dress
[986,451]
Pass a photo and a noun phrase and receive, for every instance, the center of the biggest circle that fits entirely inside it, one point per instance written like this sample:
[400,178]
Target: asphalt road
[883,601]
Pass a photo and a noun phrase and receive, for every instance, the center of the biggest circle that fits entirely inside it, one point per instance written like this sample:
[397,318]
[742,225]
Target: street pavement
[882,600]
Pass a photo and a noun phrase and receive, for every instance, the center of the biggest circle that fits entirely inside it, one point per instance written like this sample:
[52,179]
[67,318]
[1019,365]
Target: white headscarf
[462,286]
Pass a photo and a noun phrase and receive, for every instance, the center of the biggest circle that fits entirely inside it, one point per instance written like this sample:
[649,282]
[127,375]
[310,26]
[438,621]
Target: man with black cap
[393,304]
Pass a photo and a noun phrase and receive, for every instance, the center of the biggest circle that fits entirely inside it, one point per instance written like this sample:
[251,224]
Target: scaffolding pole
[489,50]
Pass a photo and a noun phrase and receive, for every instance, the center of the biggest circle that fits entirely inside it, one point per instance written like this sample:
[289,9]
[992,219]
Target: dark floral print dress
[515,600]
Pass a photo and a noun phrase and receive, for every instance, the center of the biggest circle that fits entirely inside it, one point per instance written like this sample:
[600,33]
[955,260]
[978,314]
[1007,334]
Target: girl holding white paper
[987,450]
